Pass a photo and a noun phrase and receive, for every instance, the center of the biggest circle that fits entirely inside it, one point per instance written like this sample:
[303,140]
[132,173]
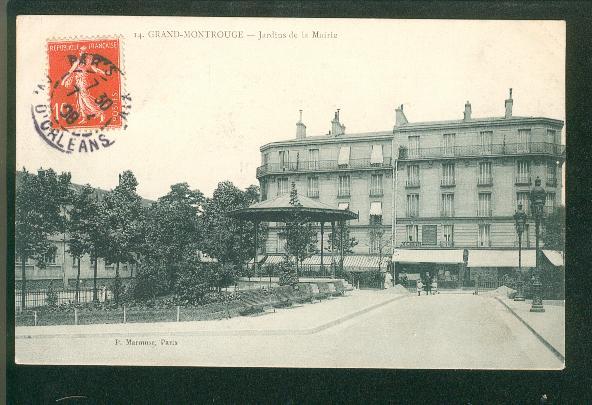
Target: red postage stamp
[85,81]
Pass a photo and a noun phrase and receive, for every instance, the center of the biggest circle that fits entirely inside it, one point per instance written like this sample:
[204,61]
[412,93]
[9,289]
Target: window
[412,233]
[375,242]
[263,190]
[448,144]
[284,158]
[50,256]
[375,213]
[376,158]
[343,159]
[525,236]
[313,159]
[313,187]
[523,198]
[343,189]
[551,133]
[74,262]
[413,146]
[550,203]
[412,205]
[447,208]
[551,174]
[448,174]
[376,185]
[281,243]
[486,142]
[265,158]
[484,235]
[448,235]
[523,172]
[523,140]
[282,185]
[412,175]
[485,177]
[484,208]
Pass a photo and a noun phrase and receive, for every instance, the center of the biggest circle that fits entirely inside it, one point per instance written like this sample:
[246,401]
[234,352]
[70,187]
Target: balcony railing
[312,193]
[534,148]
[447,213]
[343,193]
[378,192]
[485,181]
[320,165]
[447,182]
[447,243]
[410,244]
[523,181]
[412,183]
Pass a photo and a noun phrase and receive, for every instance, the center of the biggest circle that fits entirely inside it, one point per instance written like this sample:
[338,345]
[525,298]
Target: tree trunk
[116,285]
[23,282]
[95,295]
[77,281]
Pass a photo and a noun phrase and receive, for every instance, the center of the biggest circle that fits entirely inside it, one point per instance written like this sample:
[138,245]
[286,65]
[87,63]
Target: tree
[125,216]
[228,239]
[553,235]
[37,217]
[301,238]
[173,229]
[380,241]
[342,233]
[87,227]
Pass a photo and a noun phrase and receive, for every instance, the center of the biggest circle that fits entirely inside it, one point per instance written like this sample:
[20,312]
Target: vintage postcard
[267,192]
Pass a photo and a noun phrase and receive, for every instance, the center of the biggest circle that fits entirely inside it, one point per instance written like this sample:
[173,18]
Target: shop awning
[343,159]
[260,259]
[376,208]
[376,155]
[555,257]
[444,256]
[363,261]
[500,258]
[274,259]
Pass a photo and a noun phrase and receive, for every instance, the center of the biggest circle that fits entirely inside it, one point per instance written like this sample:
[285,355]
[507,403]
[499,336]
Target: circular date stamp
[82,105]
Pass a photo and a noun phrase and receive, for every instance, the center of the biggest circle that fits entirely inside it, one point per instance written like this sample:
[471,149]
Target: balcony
[447,182]
[446,213]
[485,181]
[343,193]
[523,180]
[320,166]
[447,243]
[413,183]
[503,149]
[312,193]
[551,182]
[378,192]
[485,213]
[410,244]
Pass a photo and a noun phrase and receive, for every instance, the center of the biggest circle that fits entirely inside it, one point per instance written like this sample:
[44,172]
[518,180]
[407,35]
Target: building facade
[442,185]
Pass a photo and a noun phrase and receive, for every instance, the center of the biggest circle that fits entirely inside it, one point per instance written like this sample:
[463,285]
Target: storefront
[445,265]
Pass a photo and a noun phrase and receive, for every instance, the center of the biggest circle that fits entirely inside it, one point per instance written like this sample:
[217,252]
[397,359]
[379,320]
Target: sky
[202,107]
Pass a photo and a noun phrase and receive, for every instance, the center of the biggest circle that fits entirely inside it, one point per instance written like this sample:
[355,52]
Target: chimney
[336,127]
[400,118]
[41,172]
[300,128]
[467,111]
[509,103]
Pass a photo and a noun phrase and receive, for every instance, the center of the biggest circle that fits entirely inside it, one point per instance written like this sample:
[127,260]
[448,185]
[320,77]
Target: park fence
[39,298]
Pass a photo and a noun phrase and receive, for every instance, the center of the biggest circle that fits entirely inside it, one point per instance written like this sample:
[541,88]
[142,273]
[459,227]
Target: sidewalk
[299,319]
[549,326]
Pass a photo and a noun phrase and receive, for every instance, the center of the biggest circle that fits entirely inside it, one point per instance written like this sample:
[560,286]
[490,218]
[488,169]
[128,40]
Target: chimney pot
[400,118]
[300,128]
[336,127]
[509,103]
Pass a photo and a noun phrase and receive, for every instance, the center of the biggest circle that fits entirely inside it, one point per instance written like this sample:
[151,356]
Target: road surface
[441,331]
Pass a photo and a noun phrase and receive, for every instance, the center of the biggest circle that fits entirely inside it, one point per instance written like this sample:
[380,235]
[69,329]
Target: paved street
[442,331]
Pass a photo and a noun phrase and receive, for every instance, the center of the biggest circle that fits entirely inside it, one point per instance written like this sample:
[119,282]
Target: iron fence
[39,298]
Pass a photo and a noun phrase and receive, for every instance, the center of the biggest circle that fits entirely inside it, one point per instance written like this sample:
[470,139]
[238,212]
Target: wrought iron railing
[485,181]
[412,183]
[447,182]
[537,148]
[378,192]
[320,165]
[523,180]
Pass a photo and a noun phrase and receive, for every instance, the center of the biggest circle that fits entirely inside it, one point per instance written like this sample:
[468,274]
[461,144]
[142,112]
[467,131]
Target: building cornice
[476,123]
[340,139]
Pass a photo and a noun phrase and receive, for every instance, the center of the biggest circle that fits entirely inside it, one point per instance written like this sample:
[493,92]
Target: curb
[534,332]
[236,332]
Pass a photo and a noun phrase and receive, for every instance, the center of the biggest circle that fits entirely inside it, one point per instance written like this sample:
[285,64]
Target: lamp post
[537,203]
[520,222]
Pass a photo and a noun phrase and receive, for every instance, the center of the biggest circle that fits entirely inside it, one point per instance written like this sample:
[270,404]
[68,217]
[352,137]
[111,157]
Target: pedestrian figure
[434,286]
[428,285]
[419,287]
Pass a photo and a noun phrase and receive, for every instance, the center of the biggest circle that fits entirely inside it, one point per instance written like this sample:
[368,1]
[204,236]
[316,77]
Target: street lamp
[520,222]
[537,203]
